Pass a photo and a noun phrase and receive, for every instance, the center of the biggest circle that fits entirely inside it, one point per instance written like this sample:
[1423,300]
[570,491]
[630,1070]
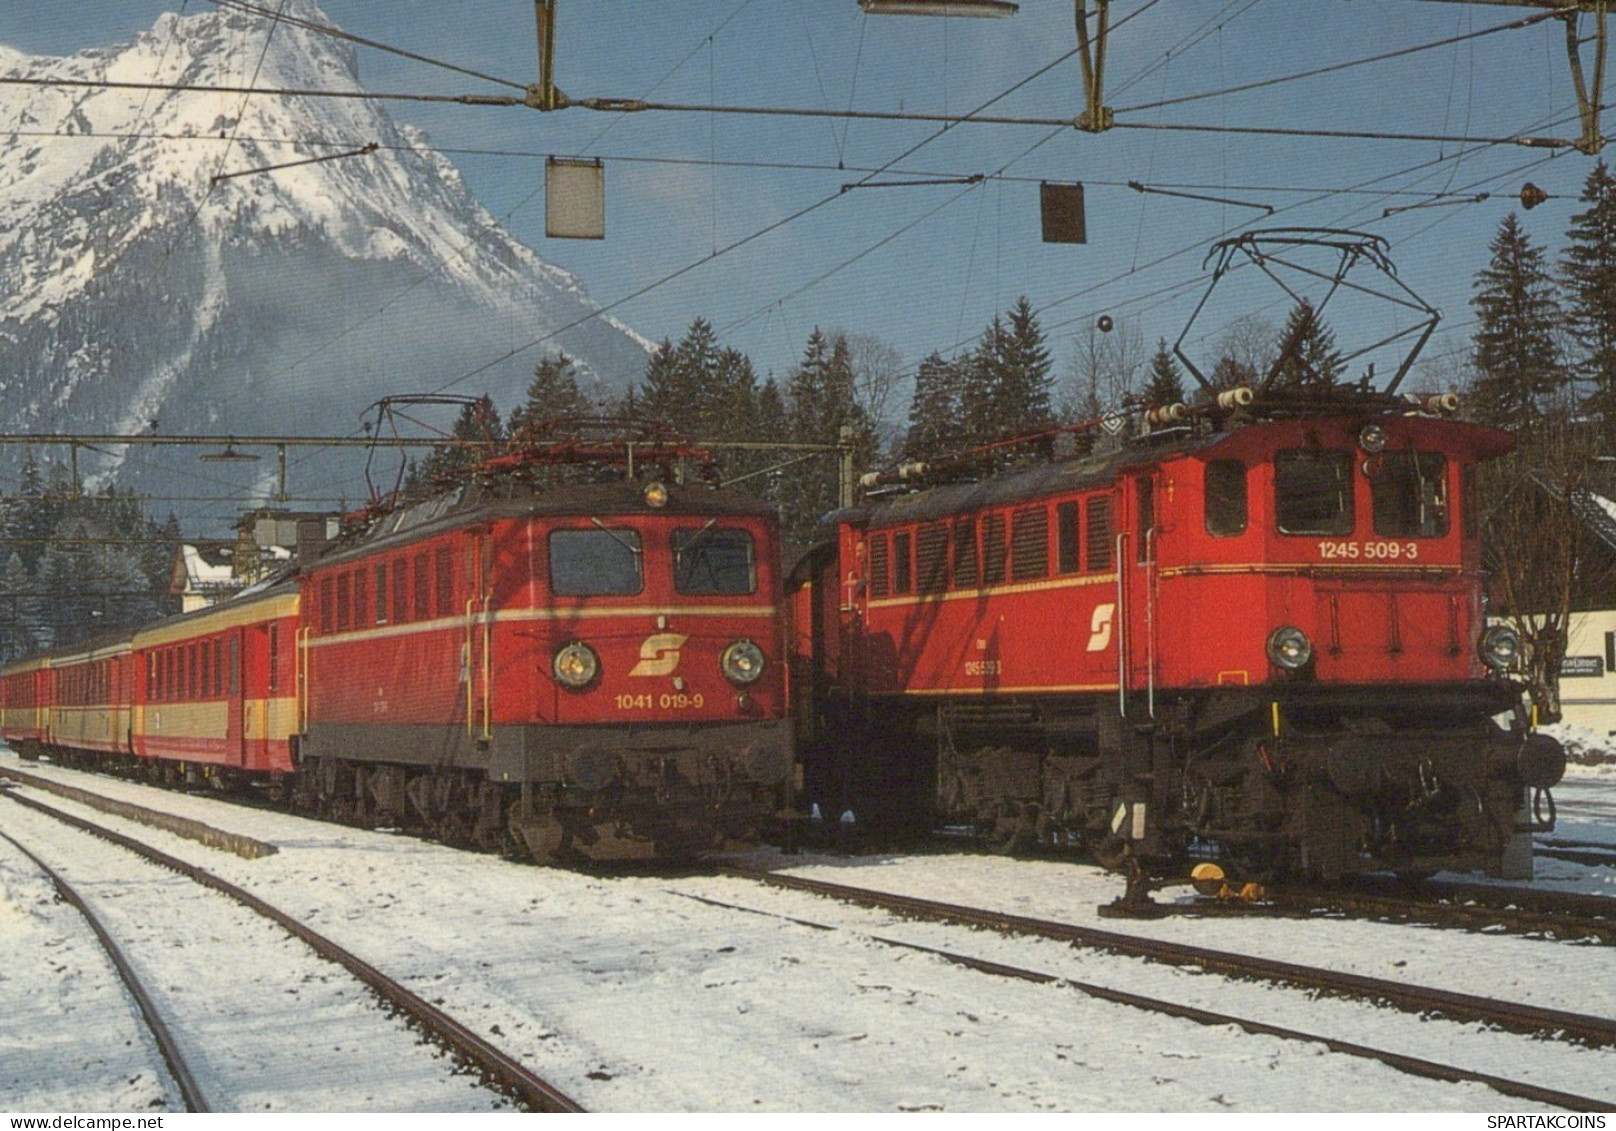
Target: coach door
[479,637]
[1136,590]
[235,739]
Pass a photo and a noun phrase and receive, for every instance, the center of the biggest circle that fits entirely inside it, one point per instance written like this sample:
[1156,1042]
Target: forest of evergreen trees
[1543,364]
[77,564]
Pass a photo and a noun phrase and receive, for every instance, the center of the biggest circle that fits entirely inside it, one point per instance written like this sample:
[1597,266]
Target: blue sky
[926,267]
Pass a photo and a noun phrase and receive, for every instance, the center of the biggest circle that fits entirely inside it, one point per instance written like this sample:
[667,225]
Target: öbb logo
[1100,627]
[659,655]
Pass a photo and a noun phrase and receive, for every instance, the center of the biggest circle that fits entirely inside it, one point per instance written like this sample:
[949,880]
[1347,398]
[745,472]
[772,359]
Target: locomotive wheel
[1014,830]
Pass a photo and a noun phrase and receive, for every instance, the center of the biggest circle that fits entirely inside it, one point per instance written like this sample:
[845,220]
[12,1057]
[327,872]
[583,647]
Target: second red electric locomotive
[1259,640]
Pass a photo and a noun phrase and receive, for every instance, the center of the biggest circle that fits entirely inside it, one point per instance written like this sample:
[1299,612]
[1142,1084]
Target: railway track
[1423,1000]
[178,1069]
[1415,1066]
[1465,906]
[499,1071]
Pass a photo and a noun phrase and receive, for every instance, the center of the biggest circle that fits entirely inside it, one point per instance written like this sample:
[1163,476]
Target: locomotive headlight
[742,663]
[575,665]
[1289,648]
[1372,438]
[1500,647]
[656,495]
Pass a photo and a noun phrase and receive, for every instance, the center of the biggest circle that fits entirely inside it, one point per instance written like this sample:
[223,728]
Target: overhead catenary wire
[999,178]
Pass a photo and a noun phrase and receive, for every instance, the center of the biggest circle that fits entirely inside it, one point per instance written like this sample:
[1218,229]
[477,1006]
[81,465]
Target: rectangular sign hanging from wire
[574,199]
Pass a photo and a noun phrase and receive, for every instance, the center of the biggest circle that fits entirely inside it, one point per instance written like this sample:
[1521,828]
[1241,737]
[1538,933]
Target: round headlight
[1500,647]
[656,495]
[575,665]
[1289,648]
[1372,438]
[742,663]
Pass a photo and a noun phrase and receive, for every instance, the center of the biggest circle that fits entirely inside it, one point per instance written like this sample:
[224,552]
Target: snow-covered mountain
[134,288]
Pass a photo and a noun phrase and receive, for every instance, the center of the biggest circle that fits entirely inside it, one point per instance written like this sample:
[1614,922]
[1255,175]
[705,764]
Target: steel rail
[190,1091]
[1464,906]
[1514,1016]
[1412,1065]
[504,1071]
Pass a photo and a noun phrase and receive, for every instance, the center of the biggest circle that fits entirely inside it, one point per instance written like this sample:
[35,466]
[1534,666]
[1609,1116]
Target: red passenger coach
[25,699]
[1256,638]
[215,692]
[590,669]
[71,697]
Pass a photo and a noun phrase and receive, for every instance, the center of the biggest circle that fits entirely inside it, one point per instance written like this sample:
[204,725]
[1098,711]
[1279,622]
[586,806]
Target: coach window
[902,563]
[1225,498]
[880,566]
[604,562]
[1097,512]
[1029,543]
[1409,493]
[931,558]
[218,666]
[993,549]
[711,561]
[966,573]
[1313,491]
[274,657]
[445,579]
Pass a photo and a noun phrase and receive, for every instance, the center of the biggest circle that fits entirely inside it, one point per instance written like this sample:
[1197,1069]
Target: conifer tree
[1308,355]
[446,464]
[1589,271]
[1166,384]
[822,404]
[934,414]
[1007,379]
[1517,358]
[552,395]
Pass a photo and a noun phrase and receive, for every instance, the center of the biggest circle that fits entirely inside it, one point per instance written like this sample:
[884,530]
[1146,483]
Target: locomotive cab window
[713,561]
[1225,498]
[1313,491]
[1409,491]
[604,562]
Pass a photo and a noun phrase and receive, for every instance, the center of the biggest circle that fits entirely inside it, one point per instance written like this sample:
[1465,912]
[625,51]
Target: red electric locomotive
[591,669]
[1255,636]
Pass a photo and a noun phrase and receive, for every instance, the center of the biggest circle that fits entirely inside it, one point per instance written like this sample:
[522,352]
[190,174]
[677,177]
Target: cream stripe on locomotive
[506,616]
[1002,689]
[1312,569]
[1086,579]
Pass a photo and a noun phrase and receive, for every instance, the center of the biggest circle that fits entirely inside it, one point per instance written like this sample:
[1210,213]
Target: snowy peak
[172,253]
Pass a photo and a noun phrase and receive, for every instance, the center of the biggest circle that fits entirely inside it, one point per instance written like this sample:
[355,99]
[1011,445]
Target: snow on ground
[632,994]
[263,1023]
